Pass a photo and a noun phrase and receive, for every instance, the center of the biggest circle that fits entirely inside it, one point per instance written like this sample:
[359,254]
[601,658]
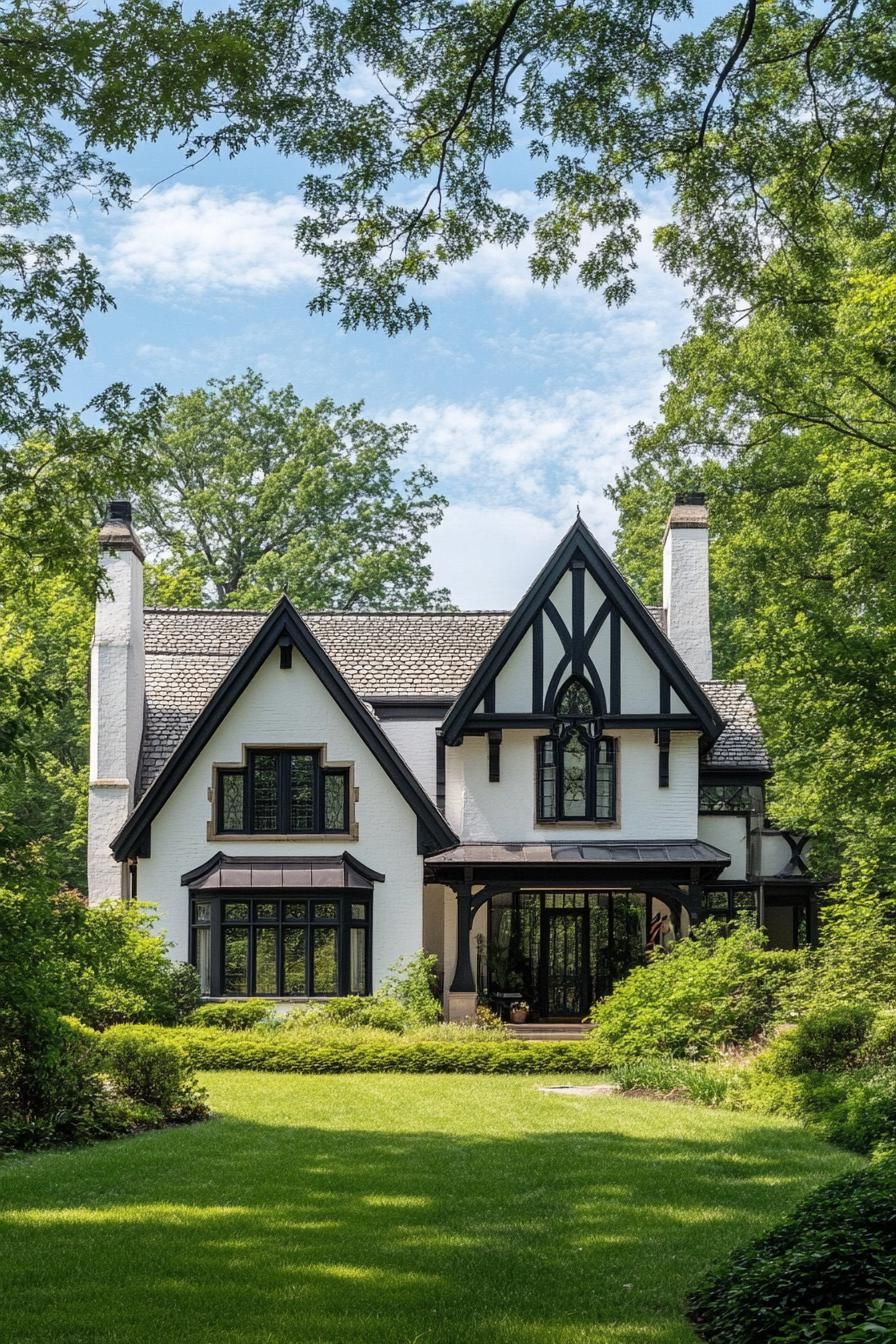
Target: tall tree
[257,494]
[788,419]
[756,120]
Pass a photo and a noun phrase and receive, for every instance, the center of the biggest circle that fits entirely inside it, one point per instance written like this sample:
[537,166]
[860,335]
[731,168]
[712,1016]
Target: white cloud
[516,472]
[489,556]
[195,239]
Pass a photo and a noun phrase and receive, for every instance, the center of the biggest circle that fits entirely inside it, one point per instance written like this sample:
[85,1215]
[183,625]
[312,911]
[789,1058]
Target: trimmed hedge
[346,1050]
[816,1276]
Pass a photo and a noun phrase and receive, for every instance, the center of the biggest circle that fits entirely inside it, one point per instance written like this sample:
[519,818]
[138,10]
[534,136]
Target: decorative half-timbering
[580,623]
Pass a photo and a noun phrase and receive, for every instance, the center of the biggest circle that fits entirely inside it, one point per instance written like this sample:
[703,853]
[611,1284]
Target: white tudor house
[534,795]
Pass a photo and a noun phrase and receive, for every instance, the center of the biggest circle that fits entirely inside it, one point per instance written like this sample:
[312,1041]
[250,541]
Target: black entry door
[564,977]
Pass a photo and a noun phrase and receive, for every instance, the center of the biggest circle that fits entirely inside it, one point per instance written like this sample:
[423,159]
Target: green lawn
[395,1210]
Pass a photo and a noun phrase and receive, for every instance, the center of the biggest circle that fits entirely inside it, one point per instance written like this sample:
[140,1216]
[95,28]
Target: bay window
[298,945]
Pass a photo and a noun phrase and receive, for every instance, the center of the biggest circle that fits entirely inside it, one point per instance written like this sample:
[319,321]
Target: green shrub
[365,1050]
[412,981]
[233,1014]
[115,968]
[706,1084]
[863,1116]
[152,1068]
[711,990]
[856,959]
[835,1252]
[880,1043]
[353,1010]
[828,1038]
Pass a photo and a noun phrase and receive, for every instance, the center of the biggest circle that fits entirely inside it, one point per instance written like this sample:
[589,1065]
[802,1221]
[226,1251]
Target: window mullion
[591,750]
[250,794]
[284,785]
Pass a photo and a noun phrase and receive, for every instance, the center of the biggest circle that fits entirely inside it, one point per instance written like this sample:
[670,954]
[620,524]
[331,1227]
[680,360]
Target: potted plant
[519,1011]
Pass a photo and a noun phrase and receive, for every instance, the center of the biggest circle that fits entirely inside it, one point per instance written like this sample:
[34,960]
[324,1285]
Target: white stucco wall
[415,739]
[506,810]
[731,834]
[291,707]
[776,853]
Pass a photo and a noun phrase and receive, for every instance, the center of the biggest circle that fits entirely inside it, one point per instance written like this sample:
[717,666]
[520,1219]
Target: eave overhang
[283,627]
[593,863]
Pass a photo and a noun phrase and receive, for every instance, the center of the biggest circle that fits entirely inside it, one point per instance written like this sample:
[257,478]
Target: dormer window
[283,792]
[576,764]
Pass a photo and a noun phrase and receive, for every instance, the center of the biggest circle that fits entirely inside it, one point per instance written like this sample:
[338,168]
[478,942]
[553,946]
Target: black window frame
[592,748]
[344,922]
[320,774]
[725,799]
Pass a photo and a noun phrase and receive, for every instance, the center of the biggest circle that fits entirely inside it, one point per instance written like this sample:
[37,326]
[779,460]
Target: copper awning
[226,872]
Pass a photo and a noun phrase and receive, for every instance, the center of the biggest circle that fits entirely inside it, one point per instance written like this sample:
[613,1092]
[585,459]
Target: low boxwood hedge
[348,1050]
[814,1278]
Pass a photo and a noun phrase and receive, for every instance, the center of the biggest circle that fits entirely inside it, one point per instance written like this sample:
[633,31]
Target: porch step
[549,1031]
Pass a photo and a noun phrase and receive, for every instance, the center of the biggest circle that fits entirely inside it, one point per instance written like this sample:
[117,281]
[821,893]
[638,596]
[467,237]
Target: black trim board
[433,831]
[580,545]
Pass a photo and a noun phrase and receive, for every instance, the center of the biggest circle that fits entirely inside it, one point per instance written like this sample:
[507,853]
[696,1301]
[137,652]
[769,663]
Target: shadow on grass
[270,1234]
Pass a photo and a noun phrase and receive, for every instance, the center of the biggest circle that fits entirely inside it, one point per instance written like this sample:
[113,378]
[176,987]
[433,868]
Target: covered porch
[558,924]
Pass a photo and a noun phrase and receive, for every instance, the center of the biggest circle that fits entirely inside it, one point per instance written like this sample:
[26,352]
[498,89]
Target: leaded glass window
[547,781]
[575,772]
[283,793]
[334,801]
[285,946]
[301,792]
[265,809]
[233,800]
[576,778]
[575,701]
[734,798]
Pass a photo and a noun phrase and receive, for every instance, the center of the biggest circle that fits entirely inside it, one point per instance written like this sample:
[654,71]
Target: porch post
[460,1001]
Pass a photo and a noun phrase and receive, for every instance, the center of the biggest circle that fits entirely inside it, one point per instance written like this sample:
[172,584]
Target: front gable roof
[284,626]
[579,549]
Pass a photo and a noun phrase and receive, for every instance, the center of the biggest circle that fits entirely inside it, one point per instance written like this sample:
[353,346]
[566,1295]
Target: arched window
[574,701]
[576,766]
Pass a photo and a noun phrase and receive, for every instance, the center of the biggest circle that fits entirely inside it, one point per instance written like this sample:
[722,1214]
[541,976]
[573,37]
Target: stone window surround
[352,795]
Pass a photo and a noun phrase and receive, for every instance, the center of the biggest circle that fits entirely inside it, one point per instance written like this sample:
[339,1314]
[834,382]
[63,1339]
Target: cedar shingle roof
[188,653]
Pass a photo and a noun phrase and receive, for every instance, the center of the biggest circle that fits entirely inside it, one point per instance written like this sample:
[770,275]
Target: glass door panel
[565,963]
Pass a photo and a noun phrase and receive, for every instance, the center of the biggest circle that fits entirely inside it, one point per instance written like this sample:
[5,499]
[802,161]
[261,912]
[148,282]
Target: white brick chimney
[117,681]
[686,583]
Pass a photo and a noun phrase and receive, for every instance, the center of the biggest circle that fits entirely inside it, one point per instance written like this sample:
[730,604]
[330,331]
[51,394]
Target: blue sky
[523,397]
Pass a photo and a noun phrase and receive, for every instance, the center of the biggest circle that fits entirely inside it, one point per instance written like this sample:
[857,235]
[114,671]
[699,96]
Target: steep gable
[283,629]
[581,619]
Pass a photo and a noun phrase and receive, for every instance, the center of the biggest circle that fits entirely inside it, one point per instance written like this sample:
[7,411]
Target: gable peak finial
[578,510]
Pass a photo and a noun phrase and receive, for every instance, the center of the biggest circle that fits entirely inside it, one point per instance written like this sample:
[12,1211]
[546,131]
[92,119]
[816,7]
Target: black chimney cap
[690,497]
[119,511]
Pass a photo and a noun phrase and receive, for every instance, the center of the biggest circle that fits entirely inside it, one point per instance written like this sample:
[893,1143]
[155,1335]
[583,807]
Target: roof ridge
[322,611]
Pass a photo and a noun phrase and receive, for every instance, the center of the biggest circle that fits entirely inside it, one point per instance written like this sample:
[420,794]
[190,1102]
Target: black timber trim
[682,723]
[732,774]
[579,543]
[537,663]
[494,756]
[283,620]
[440,772]
[409,706]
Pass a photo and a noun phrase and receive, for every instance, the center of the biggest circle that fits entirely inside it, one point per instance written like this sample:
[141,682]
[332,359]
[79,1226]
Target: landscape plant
[719,987]
[822,1276]
[331,1048]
